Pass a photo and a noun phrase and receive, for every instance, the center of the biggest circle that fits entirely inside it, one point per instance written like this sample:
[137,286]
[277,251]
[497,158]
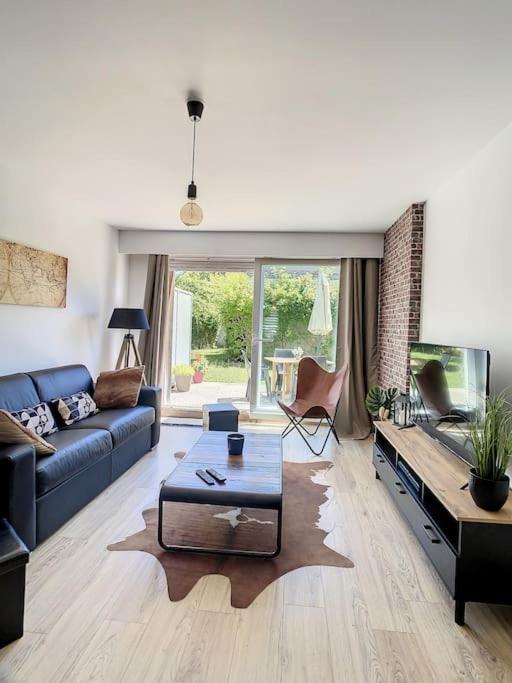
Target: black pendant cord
[193,151]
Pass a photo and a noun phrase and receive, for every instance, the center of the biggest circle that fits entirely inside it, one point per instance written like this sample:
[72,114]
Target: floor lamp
[129,319]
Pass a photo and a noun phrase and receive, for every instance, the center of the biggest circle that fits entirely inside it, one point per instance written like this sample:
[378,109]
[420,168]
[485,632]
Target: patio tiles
[210,392]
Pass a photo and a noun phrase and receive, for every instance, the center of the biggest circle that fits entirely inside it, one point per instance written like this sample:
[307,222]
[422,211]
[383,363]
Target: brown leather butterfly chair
[318,396]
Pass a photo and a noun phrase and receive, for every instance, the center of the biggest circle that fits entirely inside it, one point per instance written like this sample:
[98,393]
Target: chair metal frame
[297,422]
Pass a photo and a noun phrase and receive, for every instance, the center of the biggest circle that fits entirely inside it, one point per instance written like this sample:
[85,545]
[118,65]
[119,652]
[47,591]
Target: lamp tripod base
[123,360]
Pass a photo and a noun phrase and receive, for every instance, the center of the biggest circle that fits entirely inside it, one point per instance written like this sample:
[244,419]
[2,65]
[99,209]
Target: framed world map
[31,277]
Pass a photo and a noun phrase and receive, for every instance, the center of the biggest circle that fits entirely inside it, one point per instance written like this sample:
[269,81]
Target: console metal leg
[460,609]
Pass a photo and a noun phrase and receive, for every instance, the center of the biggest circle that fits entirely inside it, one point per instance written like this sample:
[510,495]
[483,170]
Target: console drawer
[437,549]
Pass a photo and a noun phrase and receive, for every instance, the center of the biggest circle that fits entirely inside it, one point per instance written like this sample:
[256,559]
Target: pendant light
[191,213]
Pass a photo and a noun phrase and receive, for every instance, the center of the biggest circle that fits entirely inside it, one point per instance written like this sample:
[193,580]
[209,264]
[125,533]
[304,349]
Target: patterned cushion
[75,407]
[38,419]
[12,431]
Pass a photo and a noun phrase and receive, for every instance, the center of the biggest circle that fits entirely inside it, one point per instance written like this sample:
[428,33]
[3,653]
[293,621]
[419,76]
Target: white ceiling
[327,115]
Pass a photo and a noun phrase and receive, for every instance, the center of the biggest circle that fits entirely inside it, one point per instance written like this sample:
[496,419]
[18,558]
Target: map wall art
[31,277]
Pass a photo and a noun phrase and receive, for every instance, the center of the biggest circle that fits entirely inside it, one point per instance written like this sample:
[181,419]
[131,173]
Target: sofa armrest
[18,489]
[152,396]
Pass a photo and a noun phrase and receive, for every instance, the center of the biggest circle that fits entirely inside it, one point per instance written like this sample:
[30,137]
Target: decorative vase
[383,413]
[183,382]
[198,377]
[488,494]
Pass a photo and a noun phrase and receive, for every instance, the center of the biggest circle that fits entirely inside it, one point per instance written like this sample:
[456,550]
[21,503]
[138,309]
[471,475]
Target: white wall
[467,278]
[33,337]
[137,273]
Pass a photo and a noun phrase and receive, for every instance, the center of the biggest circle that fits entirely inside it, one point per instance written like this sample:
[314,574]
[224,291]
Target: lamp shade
[129,319]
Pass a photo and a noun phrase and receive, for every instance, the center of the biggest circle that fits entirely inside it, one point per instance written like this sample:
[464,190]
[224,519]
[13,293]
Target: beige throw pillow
[13,432]
[118,388]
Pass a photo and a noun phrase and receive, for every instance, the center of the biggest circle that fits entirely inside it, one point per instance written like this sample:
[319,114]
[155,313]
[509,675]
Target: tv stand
[470,548]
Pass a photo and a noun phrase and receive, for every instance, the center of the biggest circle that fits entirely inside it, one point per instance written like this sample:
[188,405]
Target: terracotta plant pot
[488,494]
[183,382]
[198,377]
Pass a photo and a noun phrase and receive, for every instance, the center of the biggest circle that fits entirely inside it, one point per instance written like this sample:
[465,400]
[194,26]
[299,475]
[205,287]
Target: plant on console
[379,401]
[491,439]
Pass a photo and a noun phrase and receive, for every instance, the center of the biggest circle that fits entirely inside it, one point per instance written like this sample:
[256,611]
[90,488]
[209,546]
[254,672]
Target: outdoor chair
[321,360]
[318,396]
[265,376]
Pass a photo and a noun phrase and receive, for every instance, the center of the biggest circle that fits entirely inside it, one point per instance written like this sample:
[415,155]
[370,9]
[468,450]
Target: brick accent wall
[400,296]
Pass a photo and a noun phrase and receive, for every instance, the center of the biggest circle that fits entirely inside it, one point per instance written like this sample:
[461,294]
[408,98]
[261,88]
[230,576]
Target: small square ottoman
[220,417]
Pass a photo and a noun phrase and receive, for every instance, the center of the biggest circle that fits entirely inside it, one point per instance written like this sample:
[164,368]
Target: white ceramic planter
[183,382]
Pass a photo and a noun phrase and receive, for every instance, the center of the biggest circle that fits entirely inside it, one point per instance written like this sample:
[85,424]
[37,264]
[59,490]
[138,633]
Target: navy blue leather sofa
[39,494]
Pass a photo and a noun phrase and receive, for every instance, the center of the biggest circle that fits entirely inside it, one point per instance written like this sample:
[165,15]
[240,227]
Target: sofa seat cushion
[76,451]
[122,423]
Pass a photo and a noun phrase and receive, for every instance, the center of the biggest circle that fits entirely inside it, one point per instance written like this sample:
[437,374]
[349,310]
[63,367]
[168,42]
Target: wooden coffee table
[253,480]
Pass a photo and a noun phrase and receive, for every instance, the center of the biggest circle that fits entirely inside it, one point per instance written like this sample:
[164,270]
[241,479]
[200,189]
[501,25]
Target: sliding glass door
[295,314]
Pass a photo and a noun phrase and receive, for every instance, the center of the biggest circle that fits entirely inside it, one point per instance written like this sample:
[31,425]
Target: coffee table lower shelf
[219,551]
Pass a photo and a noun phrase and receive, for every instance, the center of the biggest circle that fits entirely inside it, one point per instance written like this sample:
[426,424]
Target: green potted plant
[183,377]
[379,401]
[491,439]
[200,365]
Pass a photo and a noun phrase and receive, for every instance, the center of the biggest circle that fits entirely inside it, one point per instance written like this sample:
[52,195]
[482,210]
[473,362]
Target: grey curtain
[357,342]
[155,343]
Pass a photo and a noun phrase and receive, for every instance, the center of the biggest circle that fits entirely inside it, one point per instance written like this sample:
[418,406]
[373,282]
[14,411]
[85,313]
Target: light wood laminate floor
[92,614]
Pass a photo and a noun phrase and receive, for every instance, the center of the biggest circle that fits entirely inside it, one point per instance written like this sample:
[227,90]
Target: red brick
[400,296]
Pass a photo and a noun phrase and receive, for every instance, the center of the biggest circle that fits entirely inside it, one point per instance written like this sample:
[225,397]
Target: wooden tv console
[470,548]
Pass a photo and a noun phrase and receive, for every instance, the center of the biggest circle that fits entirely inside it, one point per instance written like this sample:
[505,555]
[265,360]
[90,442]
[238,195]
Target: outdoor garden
[222,312]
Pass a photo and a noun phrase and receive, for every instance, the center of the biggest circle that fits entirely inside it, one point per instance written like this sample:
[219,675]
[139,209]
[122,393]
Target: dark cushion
[17,392]
[64,381]
[120,422]
[76,451]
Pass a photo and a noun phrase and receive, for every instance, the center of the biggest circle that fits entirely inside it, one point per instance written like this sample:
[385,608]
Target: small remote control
[218,477]
[409,426]
[205,477]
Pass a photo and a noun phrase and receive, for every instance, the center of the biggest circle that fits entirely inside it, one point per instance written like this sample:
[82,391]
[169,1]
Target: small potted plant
[379,401]
[183,376]
[200,365]
[491,439]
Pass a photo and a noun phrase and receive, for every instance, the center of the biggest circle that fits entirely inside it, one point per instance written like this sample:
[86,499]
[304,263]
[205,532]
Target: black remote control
[411,424]
[205,477]
[218,477]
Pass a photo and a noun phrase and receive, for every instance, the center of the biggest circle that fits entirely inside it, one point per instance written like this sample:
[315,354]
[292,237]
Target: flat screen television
[449,386]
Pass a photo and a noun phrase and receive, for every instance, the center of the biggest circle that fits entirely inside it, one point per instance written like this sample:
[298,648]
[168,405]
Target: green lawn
[225,373]
[220,369]
[454,369]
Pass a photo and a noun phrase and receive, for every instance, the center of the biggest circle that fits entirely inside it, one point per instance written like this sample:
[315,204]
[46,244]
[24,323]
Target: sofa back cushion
[17,392]
[64,381]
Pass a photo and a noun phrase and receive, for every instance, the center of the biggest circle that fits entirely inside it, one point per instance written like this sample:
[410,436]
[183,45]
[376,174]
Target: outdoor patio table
[289,369]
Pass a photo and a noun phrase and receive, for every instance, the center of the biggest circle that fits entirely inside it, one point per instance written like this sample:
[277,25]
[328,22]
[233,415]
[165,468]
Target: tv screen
[449,386]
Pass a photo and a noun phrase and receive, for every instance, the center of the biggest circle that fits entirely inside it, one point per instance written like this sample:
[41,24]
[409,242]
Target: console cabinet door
[437,549]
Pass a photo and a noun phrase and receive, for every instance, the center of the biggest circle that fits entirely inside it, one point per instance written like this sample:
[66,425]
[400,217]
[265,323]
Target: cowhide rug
[302,538]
